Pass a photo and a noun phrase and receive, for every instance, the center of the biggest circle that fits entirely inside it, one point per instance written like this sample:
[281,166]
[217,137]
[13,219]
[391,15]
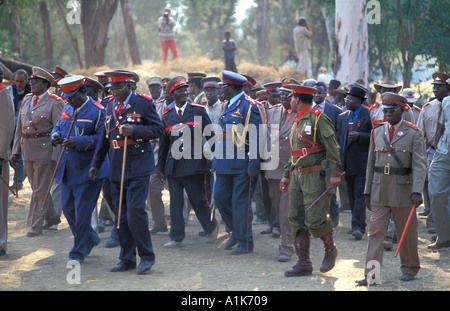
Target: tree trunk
[47,35]
[131,35]
[16,44]
[262,30]
[351,58]
[95,19]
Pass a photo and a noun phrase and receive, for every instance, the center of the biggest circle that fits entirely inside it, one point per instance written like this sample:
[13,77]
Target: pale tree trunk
[47,35]
[15,22]
[262,31]
[351,55]
[131,35]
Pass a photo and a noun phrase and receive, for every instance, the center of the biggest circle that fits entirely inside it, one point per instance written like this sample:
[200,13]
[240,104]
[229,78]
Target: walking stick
[321,196]
[413,209]
[15,180]
[9,188]
[125,145]
[59,159]
[213,205]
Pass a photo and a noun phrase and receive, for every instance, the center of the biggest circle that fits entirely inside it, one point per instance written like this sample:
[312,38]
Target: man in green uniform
[314,166]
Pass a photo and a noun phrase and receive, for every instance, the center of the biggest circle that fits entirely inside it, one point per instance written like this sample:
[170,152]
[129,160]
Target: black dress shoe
[144,266]
[241,250]
[123,266]
[232,241]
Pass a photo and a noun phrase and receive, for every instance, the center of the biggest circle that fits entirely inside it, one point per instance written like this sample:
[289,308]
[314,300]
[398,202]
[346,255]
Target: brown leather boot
[331,252]
[304,265]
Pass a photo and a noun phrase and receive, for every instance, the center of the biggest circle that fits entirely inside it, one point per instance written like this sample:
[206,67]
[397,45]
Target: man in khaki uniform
[39,113]
[315,164]
[396,170]
[7,130]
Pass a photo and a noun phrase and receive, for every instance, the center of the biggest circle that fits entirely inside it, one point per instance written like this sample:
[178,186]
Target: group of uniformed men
[211,139]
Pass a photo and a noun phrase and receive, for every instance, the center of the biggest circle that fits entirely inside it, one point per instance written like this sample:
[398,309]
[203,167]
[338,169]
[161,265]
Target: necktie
[350,122]
[35,101]
[284,117]
[391,133]
[119,110]
[180,115]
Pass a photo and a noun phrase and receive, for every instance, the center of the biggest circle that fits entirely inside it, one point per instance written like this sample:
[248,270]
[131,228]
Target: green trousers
[304,189]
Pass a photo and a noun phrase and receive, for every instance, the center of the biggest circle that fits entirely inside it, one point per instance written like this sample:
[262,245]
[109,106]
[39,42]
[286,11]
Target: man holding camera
[167,35]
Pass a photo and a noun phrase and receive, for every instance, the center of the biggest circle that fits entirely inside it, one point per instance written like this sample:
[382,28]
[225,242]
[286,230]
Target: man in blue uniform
[79,194]
[237,161]
[134,116]
[181,159]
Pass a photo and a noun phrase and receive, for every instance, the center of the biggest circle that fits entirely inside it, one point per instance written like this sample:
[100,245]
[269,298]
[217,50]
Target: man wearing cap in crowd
[182,160]
[103,80]
[7,123]
[196,93]
[313,166]
[132,115]
[412,97]
[279,123]
[353,132]
[93,88]
[440,179]
[155,87]
[58,73]
[39,113]
[237,166]
[376,110]
[273,93]
[395,175]
[79,192]
[427,122]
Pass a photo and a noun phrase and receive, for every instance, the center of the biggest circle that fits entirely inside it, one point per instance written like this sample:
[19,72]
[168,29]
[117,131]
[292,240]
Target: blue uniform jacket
[140,112]
[237,161]
[88,127]
[183,135]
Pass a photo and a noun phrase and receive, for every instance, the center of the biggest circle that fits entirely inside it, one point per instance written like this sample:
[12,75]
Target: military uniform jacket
[140,112]
[181,148]
[313,139]
[6,122]
[385,188]
[38,120]
[87,129]
[243,110]
[428,120]
[278,136]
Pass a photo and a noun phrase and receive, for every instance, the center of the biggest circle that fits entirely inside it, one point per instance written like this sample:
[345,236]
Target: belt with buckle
[305,151]
[35,135]
[116,144]
[310,169]
[388,170]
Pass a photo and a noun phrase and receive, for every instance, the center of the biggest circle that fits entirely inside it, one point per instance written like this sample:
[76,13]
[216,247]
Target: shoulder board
[108,97]
[379,124]
[2,86]
[145,96]
[197,105]
[425,105]
[374,106]
[316,111]
[406,107]
[167,109]
[54,96]
[412,125]
[273,106]
[98,105]
[417,108]
[29,94]
[251,100]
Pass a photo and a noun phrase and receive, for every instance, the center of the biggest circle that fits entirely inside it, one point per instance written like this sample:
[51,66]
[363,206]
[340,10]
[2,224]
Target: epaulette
[374,106]
[108,97]
[425,105]
[316,111]
[2,86]
[273,106]
[417,108]
[167,109]
[379,124]
[54,96]
[197,105]
[29,94]
[98,105]
[412,125]
[251,100]
[406,107]
[145,96]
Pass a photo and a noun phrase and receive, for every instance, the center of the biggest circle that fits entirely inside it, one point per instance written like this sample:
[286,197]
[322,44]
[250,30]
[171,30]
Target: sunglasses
[390,110]
[118,90]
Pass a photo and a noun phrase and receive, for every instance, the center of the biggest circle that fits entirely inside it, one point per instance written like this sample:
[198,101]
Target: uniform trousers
[357,201]
[78,203]
[133,230]
[439,180]
[155,202]
[379,220]
[40,175]
[195,186]
[4,192]
[280,201]
[304,189]
[233,194]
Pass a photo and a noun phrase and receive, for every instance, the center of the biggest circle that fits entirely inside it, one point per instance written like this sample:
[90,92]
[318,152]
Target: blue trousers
[133,230]
[232,196]
[78,203]
[195,186]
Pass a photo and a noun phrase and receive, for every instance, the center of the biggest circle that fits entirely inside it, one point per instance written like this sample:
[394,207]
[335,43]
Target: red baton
[413,209]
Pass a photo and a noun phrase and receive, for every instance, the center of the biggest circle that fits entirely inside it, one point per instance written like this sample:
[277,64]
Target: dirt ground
[40,263]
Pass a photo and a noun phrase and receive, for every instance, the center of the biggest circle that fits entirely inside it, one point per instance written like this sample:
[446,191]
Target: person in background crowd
[228,47]
[167,36]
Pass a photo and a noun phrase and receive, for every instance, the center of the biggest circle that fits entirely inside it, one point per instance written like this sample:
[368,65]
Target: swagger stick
[9,188]
[125,145]
[59,159]
[413,209]
[15,180]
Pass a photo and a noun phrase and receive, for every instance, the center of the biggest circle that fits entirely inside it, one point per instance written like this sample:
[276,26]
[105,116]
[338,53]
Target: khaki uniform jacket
[428,120]
[395,190]
[41,118]
[278,136]
[6,122]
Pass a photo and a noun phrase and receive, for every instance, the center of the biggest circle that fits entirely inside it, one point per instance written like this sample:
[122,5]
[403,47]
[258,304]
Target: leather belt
[116,144]
[387,170]
[305,151]
[35,135]
[310,169]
